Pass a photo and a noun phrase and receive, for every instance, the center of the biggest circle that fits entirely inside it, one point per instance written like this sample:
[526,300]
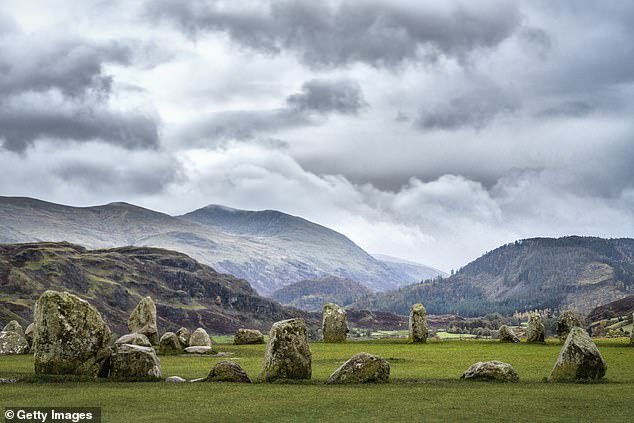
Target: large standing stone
[418,330]
[28,333]
[578,360]
[565,322]
[169,343]
[228,371]
[70,336]
[335,323]
[134,339]
[134,361]
[248,336]
[143,320]
[288,354]
[12,339]
[362,368]
[535,332]
[200,338]
[491,370]
[505,334]
[183,337]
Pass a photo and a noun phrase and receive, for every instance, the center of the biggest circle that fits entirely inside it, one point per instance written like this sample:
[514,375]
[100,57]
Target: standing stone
[183,337]
[143,320]
[134,339]
[70,337]
[134,361]
[491,371]
[505,334]
[535,331]
[335,323]
[200,338]
[579,359]
[362,368]
[248,336]
[228,371]
[418,330]
[288,354]
[169,343]
[12,339]
[28,333]
[565,322]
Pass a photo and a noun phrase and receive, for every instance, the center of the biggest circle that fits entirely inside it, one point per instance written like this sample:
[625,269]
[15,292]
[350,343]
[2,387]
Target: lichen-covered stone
[362,368]
[418,330]
[14,326]
[535,332]
[28,334]
[491,371]
[565,322]
[200,338]
[183,337]
[198,350]
[228,371]
[248,336]
[288,354]
[169,343]
[334,324]
[579,359]
[134,362]
[12,343]
[143,320]
[70,337]
[134,339]
[505,334]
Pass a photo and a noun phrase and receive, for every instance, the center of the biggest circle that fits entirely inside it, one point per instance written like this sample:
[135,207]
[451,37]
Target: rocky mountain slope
[578,273]
[187,293]
[408,270]
[618,308]
[312,294]
[269,249]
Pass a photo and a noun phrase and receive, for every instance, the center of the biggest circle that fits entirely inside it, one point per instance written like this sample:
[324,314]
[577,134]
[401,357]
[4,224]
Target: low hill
[618,308]
[311,295]
[187,293]
[578,273]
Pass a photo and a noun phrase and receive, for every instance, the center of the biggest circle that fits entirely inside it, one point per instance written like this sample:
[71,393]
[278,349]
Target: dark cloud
[324,96]
[345,32]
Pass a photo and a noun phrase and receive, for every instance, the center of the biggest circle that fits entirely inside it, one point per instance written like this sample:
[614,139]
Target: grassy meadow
[424,386]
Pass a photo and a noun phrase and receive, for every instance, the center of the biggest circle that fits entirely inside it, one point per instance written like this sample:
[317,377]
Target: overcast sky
[431,131]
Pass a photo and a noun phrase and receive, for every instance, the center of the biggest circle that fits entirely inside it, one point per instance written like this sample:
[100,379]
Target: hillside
[311,295]
[408,270]
[187,293]
[578,273]
[269,249]
[618,308]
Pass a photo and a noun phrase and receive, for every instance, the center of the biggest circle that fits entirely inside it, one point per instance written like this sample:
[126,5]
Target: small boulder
[183,337]
[505,334]
[134,361]
[198,350]
[175,379]
[143,320]
[579,359]
[228,371]
[362,368]
[70,337]
[200,338]
[334,324]
[28,334]
[491,371]
[12,339]
[169,343]
[535,332]
[288,354]
[14,326]
[134,339]
[565,322]
[418,330]
[248,336]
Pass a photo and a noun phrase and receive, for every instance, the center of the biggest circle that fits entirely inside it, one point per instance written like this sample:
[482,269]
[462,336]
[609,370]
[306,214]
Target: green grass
[425,387]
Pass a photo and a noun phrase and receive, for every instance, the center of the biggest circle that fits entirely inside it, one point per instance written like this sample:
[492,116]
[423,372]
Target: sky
[431,131]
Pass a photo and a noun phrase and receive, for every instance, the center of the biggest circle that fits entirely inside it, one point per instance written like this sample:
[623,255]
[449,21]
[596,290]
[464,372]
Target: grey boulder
[491,371]
[579,359]
[228,371]
[135,362]
[362,368]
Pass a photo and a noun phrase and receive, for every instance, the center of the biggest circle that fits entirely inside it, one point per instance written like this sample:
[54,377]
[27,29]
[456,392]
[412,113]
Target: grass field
[425,387]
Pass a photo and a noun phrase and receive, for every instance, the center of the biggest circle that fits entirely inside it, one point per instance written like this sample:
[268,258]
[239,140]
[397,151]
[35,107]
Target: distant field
[425,387]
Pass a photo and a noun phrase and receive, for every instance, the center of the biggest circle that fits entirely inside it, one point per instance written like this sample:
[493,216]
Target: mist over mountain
[269,249]
[312,294]
[578,273]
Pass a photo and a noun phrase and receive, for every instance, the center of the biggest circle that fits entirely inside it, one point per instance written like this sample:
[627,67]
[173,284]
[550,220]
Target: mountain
[578,273]
[187,293]
[311,295]
[268,248]
[408,270]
